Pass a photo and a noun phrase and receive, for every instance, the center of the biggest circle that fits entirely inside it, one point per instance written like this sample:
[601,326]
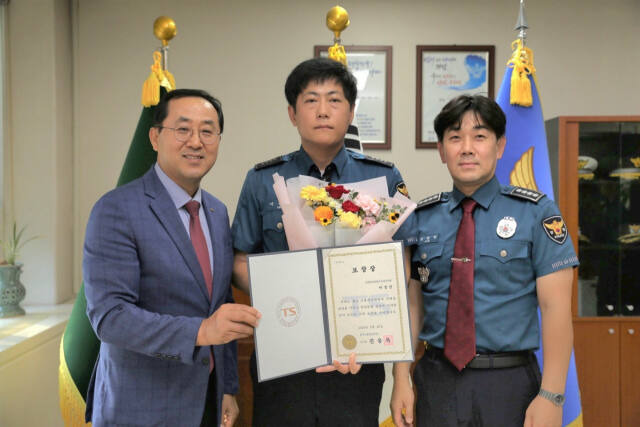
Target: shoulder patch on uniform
[525,193]
[555,228]
[374,160]
[272,162]
[428,201]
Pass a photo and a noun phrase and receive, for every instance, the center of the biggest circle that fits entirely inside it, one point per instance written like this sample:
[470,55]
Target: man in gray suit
[157,269]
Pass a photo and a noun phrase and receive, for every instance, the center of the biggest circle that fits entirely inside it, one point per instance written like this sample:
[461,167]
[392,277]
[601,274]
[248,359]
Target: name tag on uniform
[428,238]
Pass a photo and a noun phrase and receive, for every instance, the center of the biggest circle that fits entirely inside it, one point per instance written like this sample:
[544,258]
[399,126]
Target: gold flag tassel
[522,63]
[337,53]
[158,77]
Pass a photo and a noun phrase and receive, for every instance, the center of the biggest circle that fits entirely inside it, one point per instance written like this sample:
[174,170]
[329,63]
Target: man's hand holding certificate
[322,305]
[325,305]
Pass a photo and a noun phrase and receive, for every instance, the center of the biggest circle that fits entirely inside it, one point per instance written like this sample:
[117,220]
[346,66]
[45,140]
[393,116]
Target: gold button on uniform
[279,226]
[503,253]
[423,256]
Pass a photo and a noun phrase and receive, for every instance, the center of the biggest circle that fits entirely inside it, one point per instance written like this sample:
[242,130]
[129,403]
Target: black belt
[490,360]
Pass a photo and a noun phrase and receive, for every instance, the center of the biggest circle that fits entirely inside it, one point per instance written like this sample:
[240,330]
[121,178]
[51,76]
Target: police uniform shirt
[520,236]
[257,225]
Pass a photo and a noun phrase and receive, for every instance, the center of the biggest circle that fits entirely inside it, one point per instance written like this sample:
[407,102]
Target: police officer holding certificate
[485,256]
[321,94]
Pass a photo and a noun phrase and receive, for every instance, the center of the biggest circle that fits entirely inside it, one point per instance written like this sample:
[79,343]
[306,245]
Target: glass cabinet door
[609,219]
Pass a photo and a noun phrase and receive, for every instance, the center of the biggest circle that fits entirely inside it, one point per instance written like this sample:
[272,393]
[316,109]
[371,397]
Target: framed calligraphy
[444,72]
[371,65]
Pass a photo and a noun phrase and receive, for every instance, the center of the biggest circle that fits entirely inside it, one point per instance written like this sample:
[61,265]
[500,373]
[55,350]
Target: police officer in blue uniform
[523,258]
[321,94]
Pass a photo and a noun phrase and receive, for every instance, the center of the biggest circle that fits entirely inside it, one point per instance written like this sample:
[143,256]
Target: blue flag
[525,163]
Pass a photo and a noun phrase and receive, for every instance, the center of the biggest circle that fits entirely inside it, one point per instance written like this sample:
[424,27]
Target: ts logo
[288,311]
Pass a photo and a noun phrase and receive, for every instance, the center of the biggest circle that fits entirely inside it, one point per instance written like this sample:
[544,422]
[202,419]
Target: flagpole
[164,29]
[521,24]
[525,163]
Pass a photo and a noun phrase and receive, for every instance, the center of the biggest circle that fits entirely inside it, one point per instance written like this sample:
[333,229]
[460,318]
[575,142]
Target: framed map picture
[444,72]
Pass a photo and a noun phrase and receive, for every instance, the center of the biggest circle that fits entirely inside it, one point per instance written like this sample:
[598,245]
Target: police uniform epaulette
[523,193]
[366,158]
[272,162]
[431,200]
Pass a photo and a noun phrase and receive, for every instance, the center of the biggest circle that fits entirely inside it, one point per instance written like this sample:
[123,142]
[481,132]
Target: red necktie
[199,242]
[200,245]
[460,334]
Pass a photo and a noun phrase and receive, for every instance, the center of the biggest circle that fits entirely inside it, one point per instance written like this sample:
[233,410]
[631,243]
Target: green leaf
[11,247]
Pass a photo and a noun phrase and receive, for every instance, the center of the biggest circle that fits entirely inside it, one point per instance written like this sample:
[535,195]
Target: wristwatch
[556,398]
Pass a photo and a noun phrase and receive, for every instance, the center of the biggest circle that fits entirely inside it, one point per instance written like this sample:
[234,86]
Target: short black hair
[162,109]
[319,70]
[485,108]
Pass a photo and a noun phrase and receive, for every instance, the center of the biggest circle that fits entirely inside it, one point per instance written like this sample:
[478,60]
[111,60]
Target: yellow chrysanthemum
[323,214]
[350,219]
[313,193]
[393,217]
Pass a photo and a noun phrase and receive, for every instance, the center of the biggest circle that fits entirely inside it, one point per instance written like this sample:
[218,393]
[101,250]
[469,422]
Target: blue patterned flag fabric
[525,163]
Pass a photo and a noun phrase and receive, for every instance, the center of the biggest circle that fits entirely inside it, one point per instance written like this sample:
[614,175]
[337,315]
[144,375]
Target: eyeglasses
[183,134]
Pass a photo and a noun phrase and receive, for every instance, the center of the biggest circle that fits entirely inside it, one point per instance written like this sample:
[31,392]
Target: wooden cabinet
[595,163]
[630,372]
[597,352]
[608,360]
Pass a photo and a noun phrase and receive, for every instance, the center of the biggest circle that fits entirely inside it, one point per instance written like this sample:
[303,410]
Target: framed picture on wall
[444,72]
[371,66]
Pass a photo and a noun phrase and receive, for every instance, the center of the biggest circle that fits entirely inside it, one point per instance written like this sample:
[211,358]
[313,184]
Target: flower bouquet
[320,214]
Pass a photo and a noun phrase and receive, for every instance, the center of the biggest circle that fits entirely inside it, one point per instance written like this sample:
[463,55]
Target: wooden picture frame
[372,67]
[444,72]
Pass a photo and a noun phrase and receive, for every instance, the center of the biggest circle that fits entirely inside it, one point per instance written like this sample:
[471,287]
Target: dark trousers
[473,397]
[311,399]
[210,415]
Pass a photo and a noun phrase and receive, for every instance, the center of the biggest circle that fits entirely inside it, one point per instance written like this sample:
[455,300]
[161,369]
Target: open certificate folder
[320,305]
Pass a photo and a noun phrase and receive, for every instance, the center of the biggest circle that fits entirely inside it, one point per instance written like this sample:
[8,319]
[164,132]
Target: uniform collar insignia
[428,201]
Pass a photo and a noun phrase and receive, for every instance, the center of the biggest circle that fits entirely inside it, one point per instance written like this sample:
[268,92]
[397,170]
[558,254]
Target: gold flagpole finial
[164,29]
[337,21]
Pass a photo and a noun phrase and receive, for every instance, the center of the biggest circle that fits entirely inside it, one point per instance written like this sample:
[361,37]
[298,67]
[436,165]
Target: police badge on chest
[506,227]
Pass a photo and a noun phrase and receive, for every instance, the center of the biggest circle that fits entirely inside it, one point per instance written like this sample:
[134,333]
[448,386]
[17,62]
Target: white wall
[29,386]
[586,55]
[29,358]
[38,149]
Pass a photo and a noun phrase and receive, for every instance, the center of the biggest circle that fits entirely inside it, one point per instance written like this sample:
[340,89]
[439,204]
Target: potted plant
[11,290]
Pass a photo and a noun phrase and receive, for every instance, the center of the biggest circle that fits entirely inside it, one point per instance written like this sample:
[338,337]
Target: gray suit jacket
[146,299]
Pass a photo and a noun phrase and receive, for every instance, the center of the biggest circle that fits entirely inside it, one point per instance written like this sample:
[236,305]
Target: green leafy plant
[11,247]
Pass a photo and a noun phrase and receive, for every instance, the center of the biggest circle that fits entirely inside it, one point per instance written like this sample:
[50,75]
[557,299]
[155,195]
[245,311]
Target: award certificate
[321,305]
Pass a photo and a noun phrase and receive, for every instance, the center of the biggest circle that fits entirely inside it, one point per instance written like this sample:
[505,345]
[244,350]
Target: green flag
[79,345]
